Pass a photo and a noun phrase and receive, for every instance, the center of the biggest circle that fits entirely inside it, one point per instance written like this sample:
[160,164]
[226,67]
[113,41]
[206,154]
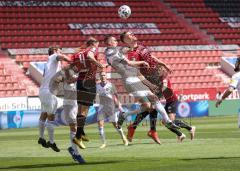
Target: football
[124,11]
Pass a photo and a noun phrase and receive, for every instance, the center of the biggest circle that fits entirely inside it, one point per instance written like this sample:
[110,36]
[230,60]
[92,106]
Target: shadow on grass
[211,158]
[56,165]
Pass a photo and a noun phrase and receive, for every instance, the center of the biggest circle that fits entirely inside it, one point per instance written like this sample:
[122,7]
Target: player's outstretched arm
[137,63]
[226,93]
[62,57]
[92,59]
[161,63]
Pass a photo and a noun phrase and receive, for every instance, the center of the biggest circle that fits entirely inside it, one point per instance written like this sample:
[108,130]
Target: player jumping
[87,63]
[48,100]
[154,74]
[133,81]
[68,76]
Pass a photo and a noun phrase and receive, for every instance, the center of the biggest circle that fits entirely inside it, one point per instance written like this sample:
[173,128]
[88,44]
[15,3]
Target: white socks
[73,145]
[159,107]
[120,131]
[41,125]
[102,134]
[50,127]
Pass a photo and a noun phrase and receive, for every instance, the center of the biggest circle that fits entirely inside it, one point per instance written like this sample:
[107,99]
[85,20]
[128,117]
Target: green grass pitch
[216,147]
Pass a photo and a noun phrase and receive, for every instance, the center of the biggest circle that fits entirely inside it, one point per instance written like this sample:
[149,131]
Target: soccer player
[154,74]
[108,99]
[133,81]
[48,100]
[234,84]
[70,106]
[170,107]
[87,63]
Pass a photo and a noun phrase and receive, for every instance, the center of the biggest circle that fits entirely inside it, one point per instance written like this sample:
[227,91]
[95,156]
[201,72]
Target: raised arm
[137,63]
[61,57]
[161,63]
[90,56]
[226,93]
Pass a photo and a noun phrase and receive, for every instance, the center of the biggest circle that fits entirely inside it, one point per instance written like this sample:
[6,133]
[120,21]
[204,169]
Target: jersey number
[82,59]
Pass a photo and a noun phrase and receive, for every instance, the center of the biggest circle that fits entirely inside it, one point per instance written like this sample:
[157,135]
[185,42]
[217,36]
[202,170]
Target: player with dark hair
[134,82]
[87,63]
[61,84]
[155,74]
[171,105]
[48,100]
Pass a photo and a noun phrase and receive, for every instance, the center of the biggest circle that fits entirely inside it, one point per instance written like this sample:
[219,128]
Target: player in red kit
[170,107]
[87,63]
[154,74]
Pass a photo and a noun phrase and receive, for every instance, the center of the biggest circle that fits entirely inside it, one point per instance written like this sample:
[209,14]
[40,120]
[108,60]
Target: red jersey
[85,66]
[168,93]
[153,74]
[142,53]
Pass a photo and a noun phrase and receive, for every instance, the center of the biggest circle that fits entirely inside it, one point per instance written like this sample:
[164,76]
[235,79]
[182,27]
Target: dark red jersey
[142,53]
[154,74]
[169,93]
[85,66]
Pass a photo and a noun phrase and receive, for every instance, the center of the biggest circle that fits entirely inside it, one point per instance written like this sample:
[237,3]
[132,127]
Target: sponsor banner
[13,103]
[234,25]
[19,119]
[33,103]
[192,109]
[198,94]
[112,26]
[30,118]
[233,22]
[36,3]
[119,31]
[195,47]
[23,103]
[116,28]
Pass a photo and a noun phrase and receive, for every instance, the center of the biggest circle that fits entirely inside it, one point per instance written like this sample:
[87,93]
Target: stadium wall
[13,117]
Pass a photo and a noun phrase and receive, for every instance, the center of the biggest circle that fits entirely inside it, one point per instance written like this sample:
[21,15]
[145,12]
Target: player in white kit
[70,106]
[48,100]
[234,84]
[134,82]
[108,98]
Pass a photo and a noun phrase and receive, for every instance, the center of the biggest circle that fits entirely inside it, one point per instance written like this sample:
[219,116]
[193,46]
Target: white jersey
[70,91]
[106,95]
[51,68]
[235,81]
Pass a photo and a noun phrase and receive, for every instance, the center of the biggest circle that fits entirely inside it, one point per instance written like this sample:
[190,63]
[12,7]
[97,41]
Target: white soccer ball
[124,11]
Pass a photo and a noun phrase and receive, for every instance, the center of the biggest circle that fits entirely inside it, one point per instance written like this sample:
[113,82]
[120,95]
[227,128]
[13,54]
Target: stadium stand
[14,81]
[218,17]
[156,23]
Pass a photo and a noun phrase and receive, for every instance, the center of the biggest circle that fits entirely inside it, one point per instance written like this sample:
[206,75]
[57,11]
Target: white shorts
[70,113]
[48,101]
[135,87]
[110,115]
